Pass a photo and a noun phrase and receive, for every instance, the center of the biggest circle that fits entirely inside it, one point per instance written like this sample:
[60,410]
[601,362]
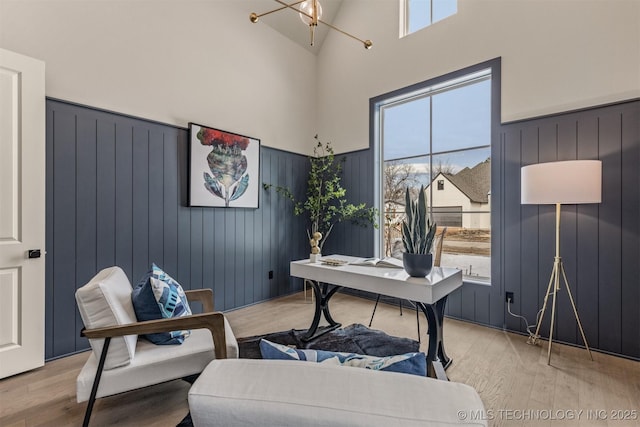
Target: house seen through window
[440,134]
[418,14]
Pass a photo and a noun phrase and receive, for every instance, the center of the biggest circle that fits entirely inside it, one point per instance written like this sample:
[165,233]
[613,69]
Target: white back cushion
[106,301]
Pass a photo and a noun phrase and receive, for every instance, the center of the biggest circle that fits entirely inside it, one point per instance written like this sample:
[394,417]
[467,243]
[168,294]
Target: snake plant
[417,230]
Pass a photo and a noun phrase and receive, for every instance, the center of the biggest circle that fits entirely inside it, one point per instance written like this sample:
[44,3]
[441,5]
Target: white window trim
[404,16]
[403,25]
[429,91]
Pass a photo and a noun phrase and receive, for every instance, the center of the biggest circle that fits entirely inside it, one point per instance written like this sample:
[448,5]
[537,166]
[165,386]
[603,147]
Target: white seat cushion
[106,301]
[154,364]
[245,392]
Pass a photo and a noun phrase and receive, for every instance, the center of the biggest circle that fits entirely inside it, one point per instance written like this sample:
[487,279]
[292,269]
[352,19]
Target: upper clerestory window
[418,14]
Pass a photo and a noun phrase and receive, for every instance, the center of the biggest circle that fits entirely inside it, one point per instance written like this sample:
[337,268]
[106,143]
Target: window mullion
[431,157]
[430,11]
[401,122]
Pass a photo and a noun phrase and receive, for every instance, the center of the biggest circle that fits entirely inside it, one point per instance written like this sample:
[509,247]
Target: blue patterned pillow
[408,363]
[158,296]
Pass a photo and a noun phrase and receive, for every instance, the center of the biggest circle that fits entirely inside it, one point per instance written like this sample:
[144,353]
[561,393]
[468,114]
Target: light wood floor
[513,379]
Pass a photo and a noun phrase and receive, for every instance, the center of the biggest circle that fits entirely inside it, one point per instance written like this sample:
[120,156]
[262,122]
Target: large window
[418,14]
[439,135]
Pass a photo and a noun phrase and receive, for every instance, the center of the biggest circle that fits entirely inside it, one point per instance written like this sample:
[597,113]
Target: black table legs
[433,312]
[435,317]
[323,295]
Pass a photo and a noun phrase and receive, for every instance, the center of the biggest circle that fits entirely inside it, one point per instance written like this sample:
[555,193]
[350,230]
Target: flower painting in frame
[224,168]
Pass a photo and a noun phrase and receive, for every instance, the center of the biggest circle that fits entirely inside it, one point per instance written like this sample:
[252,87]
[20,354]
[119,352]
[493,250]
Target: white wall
[203,61]
[171,61]
[556,56]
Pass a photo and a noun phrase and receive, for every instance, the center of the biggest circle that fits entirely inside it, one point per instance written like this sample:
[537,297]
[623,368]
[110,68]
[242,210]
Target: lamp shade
[568,182]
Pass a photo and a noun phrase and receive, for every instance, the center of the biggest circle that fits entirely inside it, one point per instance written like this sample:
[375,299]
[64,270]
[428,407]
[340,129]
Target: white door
[22,213]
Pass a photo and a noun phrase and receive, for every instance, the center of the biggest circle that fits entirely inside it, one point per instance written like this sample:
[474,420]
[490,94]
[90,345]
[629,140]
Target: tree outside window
[442,135]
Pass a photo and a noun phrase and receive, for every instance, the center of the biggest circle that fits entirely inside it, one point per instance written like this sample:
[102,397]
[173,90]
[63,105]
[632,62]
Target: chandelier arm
[367,43]
[284,6]
[290,6]
[364,42]
[271,11]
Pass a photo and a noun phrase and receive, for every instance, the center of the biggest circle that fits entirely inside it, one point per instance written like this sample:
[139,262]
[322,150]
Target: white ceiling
[287,22]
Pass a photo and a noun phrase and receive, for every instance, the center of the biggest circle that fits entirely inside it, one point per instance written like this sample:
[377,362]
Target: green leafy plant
[326,200]
[418,232]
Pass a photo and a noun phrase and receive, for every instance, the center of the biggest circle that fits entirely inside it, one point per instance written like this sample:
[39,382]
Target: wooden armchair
[120,362]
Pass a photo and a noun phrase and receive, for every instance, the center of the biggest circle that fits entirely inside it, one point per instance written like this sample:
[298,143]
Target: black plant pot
[417,265]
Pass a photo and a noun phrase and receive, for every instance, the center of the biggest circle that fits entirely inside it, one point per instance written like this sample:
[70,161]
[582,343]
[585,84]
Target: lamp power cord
[533,338]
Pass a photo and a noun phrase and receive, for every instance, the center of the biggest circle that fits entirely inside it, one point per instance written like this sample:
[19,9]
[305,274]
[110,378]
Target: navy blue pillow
[158,296]
[408,363]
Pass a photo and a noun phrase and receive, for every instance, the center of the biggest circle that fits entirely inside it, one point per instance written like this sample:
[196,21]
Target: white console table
[429,293]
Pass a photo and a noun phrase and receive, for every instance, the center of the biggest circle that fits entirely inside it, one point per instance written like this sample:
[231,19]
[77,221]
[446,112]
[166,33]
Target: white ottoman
[249,392]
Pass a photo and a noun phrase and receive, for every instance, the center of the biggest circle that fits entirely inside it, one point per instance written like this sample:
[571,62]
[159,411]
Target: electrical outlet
[509,297]
[270,274]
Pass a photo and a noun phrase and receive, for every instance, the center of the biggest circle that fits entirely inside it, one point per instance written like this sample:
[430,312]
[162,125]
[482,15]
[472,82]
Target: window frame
[405,17]
[375,126]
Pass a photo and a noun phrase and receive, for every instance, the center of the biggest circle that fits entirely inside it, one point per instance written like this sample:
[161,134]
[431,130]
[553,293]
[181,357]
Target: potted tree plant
[418,234]
[326,200]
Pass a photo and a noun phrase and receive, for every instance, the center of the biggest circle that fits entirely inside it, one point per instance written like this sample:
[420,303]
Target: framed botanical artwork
[224,168]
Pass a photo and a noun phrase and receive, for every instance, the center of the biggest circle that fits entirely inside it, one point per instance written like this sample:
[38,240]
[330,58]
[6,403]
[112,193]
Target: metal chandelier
[310,12]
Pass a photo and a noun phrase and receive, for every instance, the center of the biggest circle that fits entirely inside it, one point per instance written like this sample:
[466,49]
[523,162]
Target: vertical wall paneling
[184,218]
[230,266]
[116,195]
[482,307]
[105,194]
[630,290]
[247,257]
[346,237]
[454,305]
[288,232]
[219,248]
[599,242]
[587,239]
[124,194]
[496,300]
[170,200]
[610,232]
[117,189]
[280,171]
[565,149]
[547,152]
[196,218]
[140,201]
[516,215]
[156,196]
[208,235]
[468,300]
[268,200]
[274,233]
[86,200]
[64,230]
[240,256]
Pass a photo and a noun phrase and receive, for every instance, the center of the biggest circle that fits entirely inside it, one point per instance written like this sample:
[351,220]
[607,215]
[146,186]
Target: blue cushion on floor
[408,363]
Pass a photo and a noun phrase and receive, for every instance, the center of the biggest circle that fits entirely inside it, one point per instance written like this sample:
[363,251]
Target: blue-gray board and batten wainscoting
[117,195]
[117,189]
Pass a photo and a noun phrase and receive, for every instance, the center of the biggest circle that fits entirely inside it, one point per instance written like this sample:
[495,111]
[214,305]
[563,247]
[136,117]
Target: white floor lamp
[556,183]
